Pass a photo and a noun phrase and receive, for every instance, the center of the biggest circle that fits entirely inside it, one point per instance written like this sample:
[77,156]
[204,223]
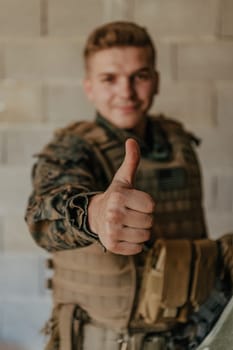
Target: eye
[108,79]
[143,76]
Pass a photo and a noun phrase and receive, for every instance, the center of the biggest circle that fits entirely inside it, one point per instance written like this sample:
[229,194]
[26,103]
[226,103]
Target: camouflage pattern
[63,171]
[81,160]
[68,171]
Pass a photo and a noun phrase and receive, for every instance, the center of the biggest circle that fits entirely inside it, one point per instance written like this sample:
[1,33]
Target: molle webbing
[103,284]
[179,276]
[175,185]
[65,326]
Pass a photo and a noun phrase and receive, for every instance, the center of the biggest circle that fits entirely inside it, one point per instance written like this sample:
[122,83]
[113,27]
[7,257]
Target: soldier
[118,203]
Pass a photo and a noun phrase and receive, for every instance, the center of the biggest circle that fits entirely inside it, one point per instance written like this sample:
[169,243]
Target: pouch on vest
[176,280]
[165,283]
[204,270]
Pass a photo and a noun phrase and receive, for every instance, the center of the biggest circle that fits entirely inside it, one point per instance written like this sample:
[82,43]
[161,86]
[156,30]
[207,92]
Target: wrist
[93,212]
[77,215]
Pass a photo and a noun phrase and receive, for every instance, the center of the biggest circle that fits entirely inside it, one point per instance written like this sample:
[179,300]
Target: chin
[131,122]
[129,127]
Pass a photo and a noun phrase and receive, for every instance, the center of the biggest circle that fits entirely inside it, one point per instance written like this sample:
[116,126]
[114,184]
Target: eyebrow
[142,69]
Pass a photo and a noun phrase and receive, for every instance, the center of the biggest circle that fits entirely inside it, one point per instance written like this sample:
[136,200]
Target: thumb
[128,168]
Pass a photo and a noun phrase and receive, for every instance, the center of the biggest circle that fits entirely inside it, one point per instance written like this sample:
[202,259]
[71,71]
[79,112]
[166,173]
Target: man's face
[121,83]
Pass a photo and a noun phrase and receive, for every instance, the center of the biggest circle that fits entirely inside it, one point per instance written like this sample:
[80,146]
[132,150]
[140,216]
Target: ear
[87,87]
[156,82]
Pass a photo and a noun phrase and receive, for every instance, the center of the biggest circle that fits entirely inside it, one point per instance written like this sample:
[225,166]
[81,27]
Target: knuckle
[137,249]
[111,245]
[116,197]
[113,216]
[111,236]
[151,205]
[143,236]
[146,235]
[151,220]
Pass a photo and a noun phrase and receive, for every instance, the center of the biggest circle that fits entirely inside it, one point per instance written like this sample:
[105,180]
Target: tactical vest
[107,285]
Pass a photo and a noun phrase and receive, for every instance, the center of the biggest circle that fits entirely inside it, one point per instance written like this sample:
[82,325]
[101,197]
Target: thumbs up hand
[123,216]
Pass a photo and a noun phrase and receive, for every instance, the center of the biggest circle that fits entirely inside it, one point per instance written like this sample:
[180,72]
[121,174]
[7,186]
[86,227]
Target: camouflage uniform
[68,172]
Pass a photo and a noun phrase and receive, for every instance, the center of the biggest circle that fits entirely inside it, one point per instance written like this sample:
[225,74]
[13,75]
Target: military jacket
[80,161]
[68,172]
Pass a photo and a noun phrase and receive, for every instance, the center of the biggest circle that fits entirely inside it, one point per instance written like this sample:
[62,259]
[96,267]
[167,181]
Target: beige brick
[225,106]
[19,275]
[44,59]
[209,185]
[215,154]
[20,102]
[16,237]
[225,193]
[205,61]
[15,186]
[218,188]
[2,67]
[22,60]
[178,18]
[164,59]
[68,103]
[190,103]
[1,323]
[74,18]
[2,146]
[19,18]
[216,148]
[227,17]
[23,320]
[219,224]
[10,346]
[23,143]
[1,237]
[62,59]
[118,10]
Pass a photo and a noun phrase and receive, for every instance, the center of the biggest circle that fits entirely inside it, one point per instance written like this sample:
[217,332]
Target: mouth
[128,108]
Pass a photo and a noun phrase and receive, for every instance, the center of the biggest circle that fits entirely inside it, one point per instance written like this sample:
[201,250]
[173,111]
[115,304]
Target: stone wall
[40,88]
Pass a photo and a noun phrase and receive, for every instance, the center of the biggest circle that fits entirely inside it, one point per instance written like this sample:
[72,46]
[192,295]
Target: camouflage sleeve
[226,250]
[64,177]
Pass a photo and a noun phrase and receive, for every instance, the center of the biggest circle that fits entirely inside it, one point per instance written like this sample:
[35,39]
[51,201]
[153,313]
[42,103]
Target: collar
[154,146]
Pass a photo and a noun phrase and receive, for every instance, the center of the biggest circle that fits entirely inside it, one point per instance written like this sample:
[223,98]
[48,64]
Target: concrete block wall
[40,89]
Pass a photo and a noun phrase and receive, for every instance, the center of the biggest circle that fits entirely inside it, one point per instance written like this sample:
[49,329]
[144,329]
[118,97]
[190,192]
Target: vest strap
[65,326]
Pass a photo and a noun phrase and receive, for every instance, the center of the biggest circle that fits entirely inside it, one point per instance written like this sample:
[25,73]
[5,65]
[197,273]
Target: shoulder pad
[87,130]
[74,128]
[169,122]
[194,139]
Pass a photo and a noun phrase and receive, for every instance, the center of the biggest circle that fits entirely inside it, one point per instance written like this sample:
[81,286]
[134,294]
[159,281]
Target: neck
[140,129]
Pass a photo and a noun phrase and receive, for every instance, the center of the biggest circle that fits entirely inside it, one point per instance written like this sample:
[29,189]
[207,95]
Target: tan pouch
[166,281]
[204,273]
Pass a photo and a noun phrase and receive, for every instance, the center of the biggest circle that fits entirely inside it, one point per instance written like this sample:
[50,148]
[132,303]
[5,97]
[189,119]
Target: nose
[125,88]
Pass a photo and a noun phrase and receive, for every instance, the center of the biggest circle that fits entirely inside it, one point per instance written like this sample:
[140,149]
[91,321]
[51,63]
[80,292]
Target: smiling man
[118,203]
[121,82]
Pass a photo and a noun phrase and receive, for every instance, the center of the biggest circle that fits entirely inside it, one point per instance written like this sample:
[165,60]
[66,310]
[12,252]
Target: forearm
[62,183]
[59,221]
